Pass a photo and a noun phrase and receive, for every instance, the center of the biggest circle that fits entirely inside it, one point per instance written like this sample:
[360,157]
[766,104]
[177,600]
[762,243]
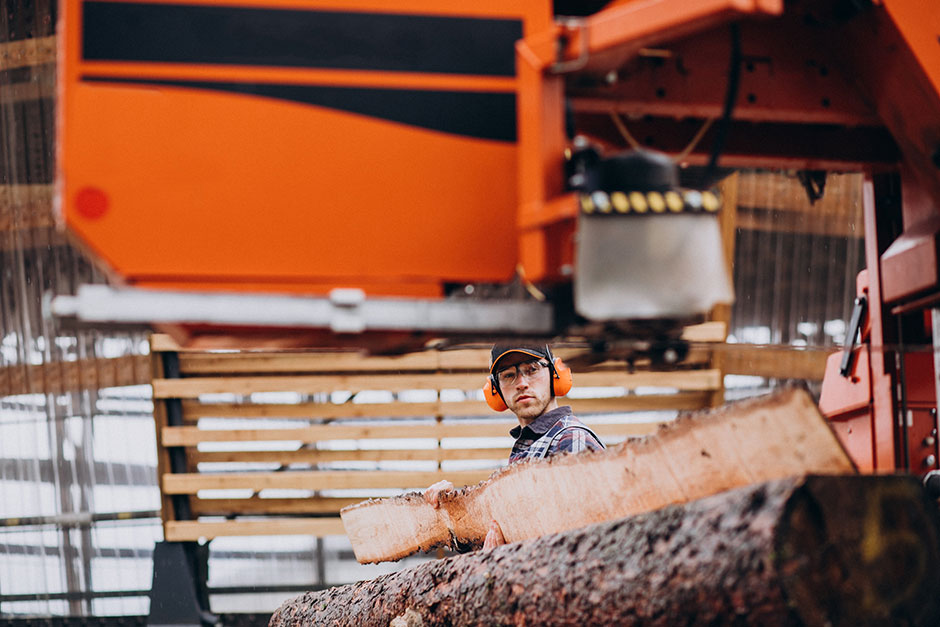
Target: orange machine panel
[293,146]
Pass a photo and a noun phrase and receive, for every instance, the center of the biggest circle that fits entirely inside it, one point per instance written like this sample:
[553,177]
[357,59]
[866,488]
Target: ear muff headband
[561,373]
[561,383]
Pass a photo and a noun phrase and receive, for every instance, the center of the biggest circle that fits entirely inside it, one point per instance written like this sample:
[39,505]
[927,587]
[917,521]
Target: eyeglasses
[527,369]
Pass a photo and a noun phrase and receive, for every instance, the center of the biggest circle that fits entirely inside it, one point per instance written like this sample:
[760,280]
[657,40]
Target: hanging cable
[623,130]
[695,140]
[631,140]
[731,96]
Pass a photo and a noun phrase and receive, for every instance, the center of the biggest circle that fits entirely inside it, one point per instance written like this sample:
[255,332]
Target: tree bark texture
[815,550]
[772,437]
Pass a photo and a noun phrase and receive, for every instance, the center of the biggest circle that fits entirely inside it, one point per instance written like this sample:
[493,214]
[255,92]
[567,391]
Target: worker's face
[527,395]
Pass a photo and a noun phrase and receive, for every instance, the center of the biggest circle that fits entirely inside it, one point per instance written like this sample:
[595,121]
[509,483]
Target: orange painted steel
[213,189]
[847,403]
[201,185]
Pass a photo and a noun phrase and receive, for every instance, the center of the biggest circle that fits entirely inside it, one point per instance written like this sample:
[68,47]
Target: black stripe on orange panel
[298,38]
[484,115]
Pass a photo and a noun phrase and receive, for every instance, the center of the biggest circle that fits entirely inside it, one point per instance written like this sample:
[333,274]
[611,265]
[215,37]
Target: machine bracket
[851,338]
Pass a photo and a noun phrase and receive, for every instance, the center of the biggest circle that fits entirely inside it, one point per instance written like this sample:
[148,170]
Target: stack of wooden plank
[276,443]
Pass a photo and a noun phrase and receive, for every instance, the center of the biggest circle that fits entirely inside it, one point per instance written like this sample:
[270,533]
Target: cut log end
[861,550]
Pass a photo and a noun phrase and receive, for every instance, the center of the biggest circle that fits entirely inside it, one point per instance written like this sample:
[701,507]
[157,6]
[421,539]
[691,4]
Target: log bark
[818,550]
[779,435]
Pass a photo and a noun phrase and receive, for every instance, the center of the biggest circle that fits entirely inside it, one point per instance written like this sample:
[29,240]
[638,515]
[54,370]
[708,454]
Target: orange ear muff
[561,382]
[492,395]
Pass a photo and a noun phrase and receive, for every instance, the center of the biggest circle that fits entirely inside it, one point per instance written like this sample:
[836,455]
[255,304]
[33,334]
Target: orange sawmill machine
[389,174]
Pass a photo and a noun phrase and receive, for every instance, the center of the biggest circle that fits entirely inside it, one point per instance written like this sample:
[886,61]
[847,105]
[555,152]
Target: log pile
[818,550]
[700,454]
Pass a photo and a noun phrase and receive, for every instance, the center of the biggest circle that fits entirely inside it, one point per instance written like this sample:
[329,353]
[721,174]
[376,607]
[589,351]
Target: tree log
[817,550]
[775,436]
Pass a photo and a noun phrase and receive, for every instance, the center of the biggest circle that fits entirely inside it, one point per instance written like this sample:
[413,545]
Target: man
[527,379]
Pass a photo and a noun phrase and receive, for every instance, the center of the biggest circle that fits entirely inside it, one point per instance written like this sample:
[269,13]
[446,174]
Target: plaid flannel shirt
[555,431]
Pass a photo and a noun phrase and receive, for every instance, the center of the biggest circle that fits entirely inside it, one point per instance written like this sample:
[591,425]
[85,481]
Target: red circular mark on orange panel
[91,203]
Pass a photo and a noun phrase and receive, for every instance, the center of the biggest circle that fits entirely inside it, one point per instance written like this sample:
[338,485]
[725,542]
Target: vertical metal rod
[935,340]
[321,563]
[800,245]
[902,393]
[81,402]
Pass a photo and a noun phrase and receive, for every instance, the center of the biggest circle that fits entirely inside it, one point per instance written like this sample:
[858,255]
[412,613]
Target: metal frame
[343,311]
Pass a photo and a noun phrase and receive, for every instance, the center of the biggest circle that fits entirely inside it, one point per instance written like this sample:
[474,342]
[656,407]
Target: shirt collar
[540,426]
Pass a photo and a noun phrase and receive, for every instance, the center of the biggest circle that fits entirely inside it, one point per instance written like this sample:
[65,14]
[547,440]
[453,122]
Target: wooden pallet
[232,462]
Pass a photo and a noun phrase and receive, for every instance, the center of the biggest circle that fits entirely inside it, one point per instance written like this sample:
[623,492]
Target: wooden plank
[777,362]
[25,207]
[803,223]
[27,52]
[193,410]
[721,313]
[761,439]
[198,361]
[194,387]
[162,343]
[334,363]
[330,362]
[711,331]
[246,362]
[191,436]
[315,456]
[191,483]
[781,192]
[67,376]
[191,531]
[257,506]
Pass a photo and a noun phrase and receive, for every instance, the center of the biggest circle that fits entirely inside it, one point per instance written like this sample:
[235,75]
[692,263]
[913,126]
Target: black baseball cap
[502,352]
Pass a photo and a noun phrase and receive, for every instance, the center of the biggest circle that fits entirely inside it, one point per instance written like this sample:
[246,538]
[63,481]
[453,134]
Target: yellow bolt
[587,205]
[620,202]
[638,201]
[674,202]
[710,202]
[656,201]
